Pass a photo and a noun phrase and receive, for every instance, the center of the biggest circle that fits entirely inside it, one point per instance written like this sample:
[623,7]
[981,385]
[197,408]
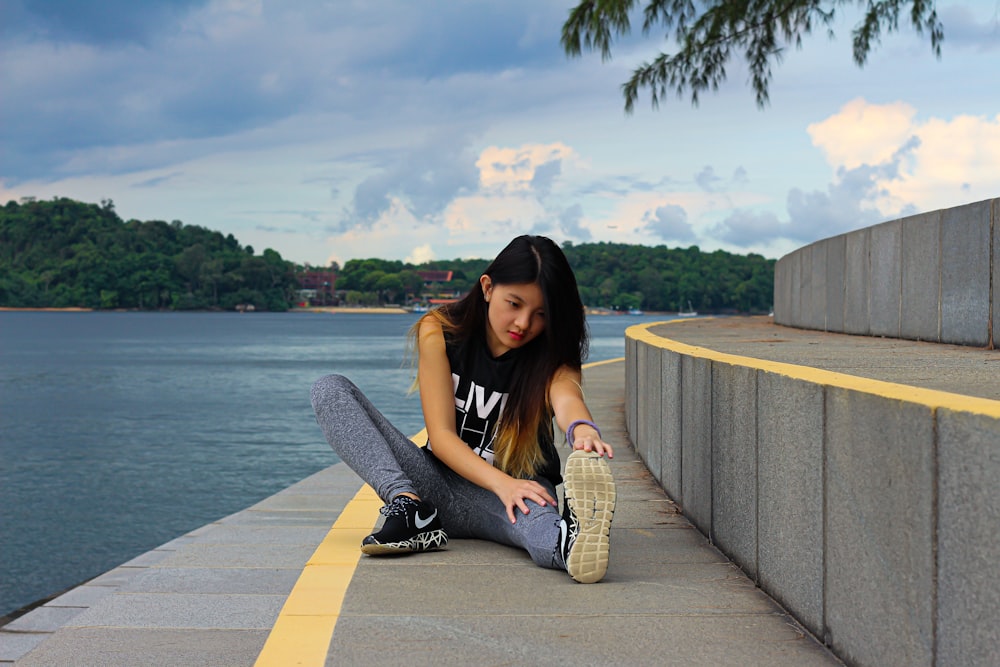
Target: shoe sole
[590,492]
[430,541]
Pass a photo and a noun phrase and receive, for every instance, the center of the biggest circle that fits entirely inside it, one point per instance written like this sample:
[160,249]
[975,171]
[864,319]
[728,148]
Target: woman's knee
[329,387]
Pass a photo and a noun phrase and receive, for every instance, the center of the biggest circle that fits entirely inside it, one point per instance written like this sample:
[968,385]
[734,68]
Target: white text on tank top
[476,416]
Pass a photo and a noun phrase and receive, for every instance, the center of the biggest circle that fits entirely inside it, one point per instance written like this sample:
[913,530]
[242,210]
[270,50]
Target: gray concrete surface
[210,597]
[968,541]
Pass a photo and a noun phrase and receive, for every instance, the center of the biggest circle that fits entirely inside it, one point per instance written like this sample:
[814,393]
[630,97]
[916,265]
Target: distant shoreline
[333,310]
[74,309]
[324,309]
[385,310]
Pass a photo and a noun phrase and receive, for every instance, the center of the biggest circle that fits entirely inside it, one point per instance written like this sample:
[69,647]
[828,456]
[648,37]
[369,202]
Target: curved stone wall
[933,276]
[785,469]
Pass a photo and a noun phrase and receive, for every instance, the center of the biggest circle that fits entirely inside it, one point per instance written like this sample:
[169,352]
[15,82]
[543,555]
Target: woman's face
[515,314]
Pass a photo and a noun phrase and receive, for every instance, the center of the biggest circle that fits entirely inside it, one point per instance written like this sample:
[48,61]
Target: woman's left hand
[589,440]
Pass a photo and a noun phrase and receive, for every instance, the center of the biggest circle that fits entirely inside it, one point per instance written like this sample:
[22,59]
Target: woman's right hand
[514,492]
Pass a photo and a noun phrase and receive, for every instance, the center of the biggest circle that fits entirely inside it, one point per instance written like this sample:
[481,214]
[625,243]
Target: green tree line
[64,253]
[623,277]
[616,276]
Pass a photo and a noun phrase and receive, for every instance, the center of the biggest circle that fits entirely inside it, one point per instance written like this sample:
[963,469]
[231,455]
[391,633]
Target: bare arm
[437,398]
[566,397]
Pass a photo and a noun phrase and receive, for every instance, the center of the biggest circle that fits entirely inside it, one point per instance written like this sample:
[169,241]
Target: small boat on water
[690,312]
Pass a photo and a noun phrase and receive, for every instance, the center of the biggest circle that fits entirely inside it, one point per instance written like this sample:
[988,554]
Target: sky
[344,129]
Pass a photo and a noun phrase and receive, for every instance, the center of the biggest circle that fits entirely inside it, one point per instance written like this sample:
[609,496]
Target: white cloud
[519,169]
[420,254]
[863,133]
[922,163]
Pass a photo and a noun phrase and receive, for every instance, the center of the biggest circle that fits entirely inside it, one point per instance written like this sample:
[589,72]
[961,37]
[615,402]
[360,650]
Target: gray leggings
[389,461]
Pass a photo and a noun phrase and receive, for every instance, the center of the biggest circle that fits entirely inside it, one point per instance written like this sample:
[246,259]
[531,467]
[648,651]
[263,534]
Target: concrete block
[83,596]
[968,630]
[647,444]
[995,272]
[267,517]
[793,277]
[631,380]
[44,619]
[671,423]
[205,580]
[183,610]
[880,529]
[836,274]
[148,559]
[920,314]
[127,647]
[805,308]
[14,645]
[817,299]
[313,502]
[696,442]
[790,495]
[885,278]
[857,280]
[262,555]
[790,287]
[117,577]
[734,463]
[965,274]
[253,534]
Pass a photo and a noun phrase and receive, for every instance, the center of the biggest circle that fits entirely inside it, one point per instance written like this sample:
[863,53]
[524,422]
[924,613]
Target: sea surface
[122,431]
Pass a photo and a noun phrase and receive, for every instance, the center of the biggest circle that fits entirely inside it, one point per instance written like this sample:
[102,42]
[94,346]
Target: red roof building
[435,276]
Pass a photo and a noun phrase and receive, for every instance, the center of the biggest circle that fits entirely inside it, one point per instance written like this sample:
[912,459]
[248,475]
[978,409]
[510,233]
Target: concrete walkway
[958,369]
[218,595]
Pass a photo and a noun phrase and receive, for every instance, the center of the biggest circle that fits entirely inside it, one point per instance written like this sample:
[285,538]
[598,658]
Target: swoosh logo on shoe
[423,523]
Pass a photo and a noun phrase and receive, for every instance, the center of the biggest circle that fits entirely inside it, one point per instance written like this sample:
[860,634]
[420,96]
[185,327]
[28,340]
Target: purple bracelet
[579,422]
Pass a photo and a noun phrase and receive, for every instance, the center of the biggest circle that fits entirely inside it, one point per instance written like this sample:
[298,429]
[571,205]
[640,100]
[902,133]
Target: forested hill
[658,278]
[63,253]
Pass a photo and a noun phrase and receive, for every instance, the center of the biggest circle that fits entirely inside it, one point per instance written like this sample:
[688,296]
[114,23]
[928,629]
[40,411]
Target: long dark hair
[563,342]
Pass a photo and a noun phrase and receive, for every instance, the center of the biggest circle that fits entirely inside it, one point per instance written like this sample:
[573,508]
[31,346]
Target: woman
[493,370]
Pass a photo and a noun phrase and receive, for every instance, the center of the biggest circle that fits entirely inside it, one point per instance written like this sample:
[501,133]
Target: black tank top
[482,384]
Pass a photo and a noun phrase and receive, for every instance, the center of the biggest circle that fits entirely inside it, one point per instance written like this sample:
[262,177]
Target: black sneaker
[588,507]
[409,525]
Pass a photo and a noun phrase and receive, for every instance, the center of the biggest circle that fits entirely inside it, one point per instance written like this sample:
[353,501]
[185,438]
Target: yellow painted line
[594,364]
[931,398]
[301,635]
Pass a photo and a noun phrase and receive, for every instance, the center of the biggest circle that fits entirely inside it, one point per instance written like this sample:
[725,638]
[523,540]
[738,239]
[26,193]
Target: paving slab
[132,647]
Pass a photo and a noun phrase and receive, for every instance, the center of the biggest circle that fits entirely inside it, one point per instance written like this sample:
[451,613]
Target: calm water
[121,431]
